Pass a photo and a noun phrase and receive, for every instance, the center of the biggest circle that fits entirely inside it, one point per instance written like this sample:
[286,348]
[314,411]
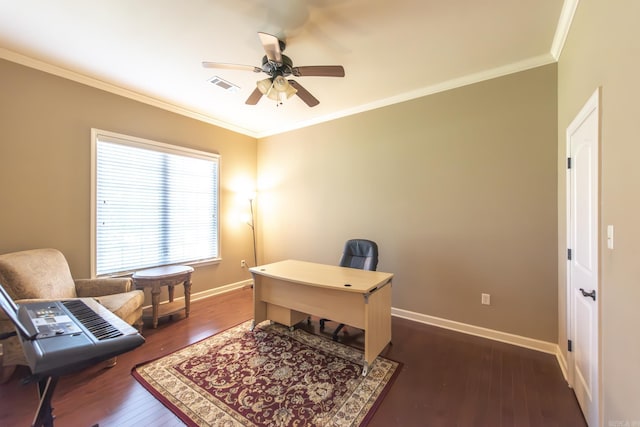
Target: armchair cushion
[86,288]
[127,305]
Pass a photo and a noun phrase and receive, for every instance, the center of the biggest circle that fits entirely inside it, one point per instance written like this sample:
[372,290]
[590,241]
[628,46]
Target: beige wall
[45,143]
[462,189]
[603,50]
[457,188]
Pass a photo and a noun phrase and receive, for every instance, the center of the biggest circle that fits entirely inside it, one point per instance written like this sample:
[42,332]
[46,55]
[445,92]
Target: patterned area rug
[268,377]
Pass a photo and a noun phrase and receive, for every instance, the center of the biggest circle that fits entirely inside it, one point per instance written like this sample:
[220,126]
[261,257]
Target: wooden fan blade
[254,97]
[271,46]
[207,64]
[304,94]
[319,70]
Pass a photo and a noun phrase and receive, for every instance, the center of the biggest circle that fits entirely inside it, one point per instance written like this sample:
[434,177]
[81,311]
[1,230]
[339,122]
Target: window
[152,204]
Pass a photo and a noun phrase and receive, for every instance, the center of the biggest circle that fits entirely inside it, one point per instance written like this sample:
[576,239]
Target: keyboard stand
[44,415]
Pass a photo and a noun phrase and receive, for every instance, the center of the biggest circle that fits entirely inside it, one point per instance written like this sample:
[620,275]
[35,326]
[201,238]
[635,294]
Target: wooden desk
[170,276]
[288,291]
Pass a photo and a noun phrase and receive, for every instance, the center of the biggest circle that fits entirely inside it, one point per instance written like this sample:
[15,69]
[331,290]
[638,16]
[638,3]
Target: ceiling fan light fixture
[281,84]
[277,89]
[264,86]
[274,95]
[290,91]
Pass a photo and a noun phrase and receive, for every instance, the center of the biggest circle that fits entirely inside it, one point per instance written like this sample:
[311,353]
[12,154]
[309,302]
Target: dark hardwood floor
[447,378]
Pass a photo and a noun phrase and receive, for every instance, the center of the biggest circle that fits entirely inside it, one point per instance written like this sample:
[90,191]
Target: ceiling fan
[279,67]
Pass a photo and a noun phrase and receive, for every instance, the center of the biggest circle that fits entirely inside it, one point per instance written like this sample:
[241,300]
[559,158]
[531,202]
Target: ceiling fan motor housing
[274,69]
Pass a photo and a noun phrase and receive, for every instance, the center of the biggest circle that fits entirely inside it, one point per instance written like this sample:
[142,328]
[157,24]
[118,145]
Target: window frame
[147,144]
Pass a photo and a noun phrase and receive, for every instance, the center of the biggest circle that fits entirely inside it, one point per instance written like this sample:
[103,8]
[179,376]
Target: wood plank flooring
[447,378]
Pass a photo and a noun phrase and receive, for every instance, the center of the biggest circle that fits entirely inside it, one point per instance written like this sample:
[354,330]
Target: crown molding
[117,90]
[564,24]
[516,67]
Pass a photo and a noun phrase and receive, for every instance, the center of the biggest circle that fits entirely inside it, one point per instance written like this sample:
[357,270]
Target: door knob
[591,294]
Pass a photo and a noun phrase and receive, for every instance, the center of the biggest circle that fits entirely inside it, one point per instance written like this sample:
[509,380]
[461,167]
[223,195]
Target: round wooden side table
[155,279]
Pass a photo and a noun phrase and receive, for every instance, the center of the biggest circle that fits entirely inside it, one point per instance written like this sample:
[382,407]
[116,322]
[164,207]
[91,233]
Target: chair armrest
[5,324]
[100,287]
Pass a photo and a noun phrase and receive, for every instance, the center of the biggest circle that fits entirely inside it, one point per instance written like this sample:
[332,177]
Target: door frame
[591,105]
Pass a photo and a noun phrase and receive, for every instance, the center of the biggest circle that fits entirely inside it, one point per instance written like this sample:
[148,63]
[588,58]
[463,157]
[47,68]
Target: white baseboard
[216,291]
[563,365]
[221,290]
[530,343]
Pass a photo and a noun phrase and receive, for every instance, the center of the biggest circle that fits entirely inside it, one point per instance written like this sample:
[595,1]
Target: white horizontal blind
[155,205]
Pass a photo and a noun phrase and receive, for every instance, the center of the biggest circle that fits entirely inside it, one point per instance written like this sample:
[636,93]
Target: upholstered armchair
[43,274]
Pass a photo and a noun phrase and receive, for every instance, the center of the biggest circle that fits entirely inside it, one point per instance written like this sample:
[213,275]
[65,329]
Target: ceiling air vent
[222,83]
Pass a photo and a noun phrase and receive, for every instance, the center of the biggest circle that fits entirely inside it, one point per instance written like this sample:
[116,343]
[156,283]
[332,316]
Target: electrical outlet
[243,264]
[486,299]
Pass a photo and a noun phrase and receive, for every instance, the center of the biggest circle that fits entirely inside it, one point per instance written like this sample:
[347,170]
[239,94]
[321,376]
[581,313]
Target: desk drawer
[284,316]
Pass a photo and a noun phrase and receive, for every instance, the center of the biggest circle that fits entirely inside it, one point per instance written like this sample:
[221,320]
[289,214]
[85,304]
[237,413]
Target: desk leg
[365,369]
[155,304]
[259,306]
[187,297]
[377,325]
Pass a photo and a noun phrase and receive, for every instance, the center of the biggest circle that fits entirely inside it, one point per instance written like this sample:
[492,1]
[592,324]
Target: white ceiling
[151,50]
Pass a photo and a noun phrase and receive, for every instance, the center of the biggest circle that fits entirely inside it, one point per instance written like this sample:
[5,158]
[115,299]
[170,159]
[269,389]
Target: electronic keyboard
[71,334]
[60,337]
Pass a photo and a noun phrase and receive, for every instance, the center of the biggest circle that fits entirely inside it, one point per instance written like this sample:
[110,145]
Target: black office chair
[357,253]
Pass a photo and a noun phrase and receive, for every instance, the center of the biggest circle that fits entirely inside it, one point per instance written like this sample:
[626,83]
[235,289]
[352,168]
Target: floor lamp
[253,232]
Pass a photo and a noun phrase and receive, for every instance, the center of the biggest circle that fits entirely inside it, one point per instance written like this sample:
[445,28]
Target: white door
[582,272]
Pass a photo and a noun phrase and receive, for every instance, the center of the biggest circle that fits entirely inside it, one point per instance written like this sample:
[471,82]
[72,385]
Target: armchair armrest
[100,287]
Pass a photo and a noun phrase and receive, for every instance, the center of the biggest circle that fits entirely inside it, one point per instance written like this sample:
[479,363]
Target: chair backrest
[37,274]
[360,253]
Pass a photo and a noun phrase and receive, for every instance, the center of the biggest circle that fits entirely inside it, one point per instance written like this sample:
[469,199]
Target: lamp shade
[264,86]
[282,85]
